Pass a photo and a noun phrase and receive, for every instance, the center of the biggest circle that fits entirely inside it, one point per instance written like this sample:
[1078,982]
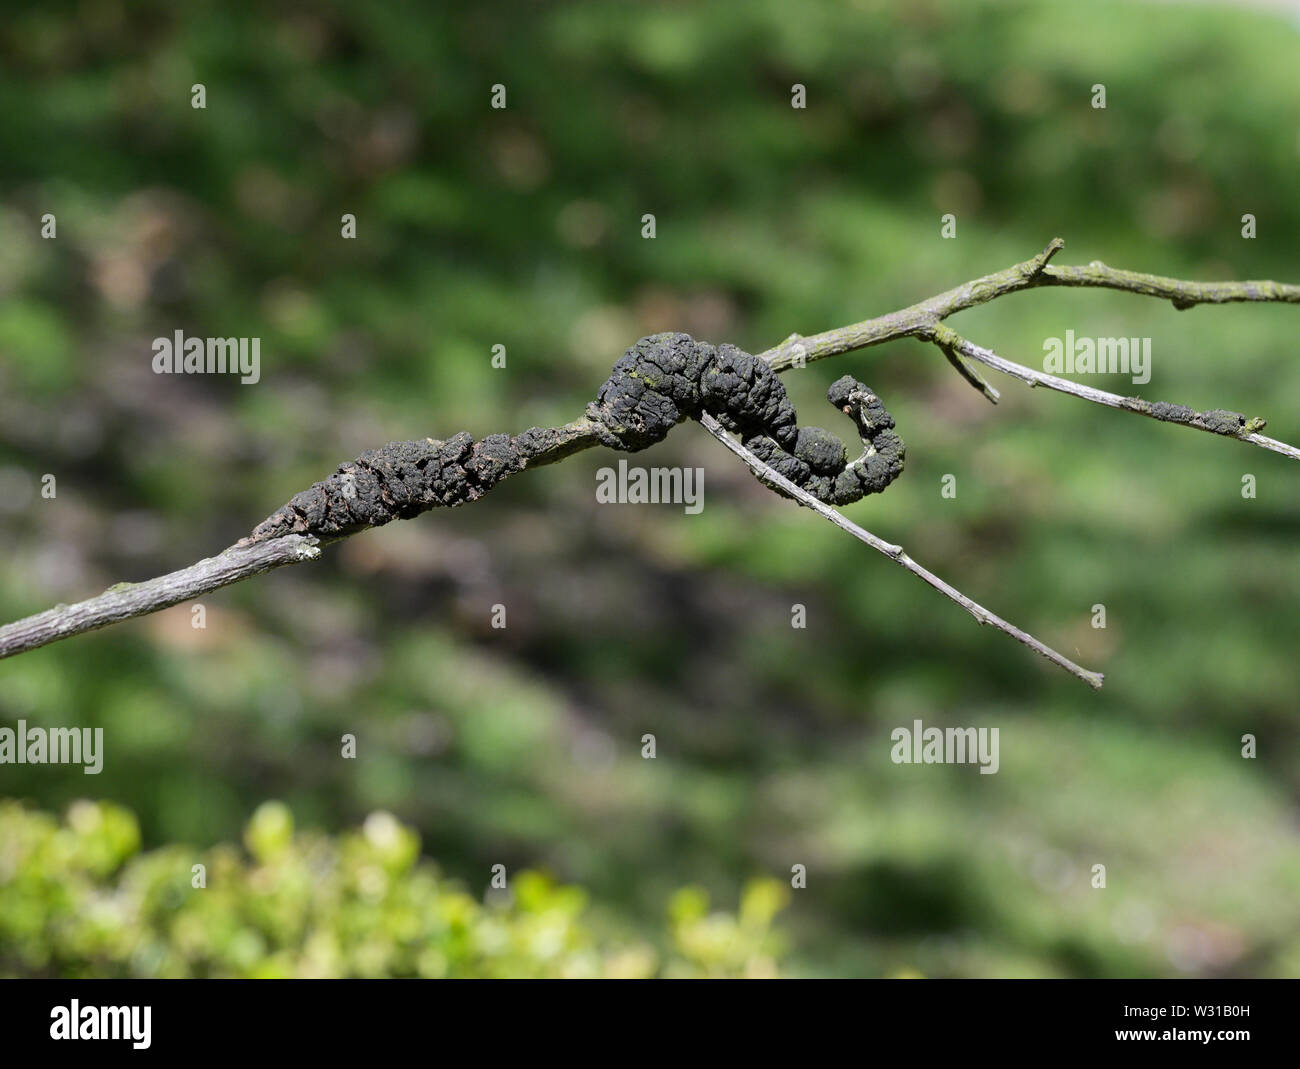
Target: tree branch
[773,479]
[126,600]
[1178,292]
[917,318]
[267,549]
[1214,421]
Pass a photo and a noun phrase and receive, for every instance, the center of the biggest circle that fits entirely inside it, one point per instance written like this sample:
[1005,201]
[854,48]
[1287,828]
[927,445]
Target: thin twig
[1212,422]
[894,553]
[126,600]
[916,319]
[969,373]
[1180,293]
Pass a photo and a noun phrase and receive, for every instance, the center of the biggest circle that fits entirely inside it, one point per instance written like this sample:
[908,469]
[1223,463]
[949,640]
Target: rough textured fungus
[657,383]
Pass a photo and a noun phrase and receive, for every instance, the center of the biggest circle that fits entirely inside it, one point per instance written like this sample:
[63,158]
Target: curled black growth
[657,383]
[665,378]
[397,482]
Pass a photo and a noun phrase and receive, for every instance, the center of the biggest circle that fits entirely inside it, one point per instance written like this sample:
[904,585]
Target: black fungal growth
[665,378]
[657,383]
[1216,420]
[397,482]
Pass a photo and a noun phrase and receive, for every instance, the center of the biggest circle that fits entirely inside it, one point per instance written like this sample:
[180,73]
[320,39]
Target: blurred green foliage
[79,899]
[522,227]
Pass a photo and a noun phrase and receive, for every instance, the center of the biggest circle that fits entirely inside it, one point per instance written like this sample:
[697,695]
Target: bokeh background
[522,747]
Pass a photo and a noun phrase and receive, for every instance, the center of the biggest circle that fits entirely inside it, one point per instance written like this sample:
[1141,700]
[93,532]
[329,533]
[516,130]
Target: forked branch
[406,478]
[779,482]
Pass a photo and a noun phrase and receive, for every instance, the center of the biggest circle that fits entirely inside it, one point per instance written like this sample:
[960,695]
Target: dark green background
[522,227]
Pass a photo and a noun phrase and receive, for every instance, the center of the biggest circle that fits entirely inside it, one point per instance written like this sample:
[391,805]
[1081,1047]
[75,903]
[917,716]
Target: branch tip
[776,481]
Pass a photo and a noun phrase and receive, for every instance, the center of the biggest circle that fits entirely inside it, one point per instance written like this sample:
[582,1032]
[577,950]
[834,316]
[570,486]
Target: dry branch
[404,479]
